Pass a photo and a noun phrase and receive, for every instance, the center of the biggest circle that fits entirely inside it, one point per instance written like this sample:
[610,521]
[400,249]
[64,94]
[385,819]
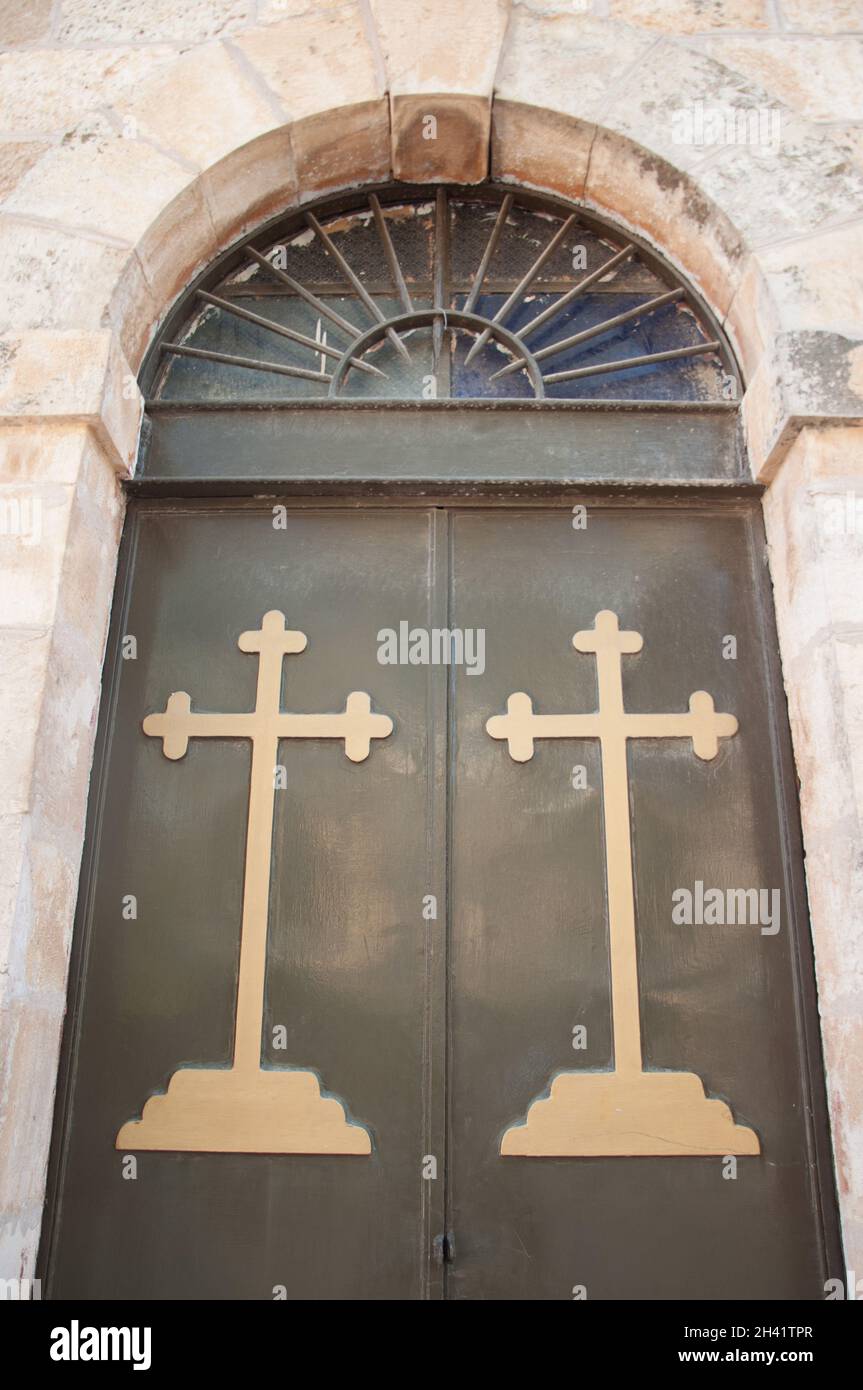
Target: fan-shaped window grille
[482,293]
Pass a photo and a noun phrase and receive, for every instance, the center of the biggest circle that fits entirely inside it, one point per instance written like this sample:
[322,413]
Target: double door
[487,978]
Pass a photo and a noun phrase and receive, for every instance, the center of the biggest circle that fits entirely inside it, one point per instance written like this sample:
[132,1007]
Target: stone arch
[318,101]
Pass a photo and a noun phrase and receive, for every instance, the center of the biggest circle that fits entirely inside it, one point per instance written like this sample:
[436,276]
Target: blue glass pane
[670,327]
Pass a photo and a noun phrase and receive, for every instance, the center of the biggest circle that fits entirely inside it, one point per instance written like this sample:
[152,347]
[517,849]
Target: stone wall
[140,137]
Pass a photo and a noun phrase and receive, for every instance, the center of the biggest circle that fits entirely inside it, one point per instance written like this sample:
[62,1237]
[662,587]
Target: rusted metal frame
[302,338]
[559,304]
[281,369]
[496,234]
[420,318]
[601,368]
[390,253]
[432,491]
[440,288]
[354,280]
[523,285]
[599,328]
[159,406]
[492,284]
[348,328]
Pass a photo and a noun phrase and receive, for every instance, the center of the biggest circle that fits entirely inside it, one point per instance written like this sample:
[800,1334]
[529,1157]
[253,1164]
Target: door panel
[350,974]
[436,1033]
[530,931]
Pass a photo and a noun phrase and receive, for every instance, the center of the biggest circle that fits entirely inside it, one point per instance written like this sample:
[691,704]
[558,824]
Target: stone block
[111,187]
[540,149]
[692,16]
[822,78]
[201,107]
[78,376]
[143,21]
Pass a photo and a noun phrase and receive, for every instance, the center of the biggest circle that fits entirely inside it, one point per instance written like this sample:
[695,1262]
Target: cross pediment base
[618,1114]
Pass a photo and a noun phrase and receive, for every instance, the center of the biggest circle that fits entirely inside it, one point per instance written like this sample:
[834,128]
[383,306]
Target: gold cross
[600,1112]
[247,1108]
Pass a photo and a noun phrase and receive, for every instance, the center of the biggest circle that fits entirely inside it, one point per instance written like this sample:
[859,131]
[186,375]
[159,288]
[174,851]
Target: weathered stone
[277,11]
[797,286]
[24,23]
[24,650]
[51,278]
[67,729]
[674,104]
[438,46]
[814,511]
[32,561]
[13,835]
[317,62]
[43,450]
[178,243]
[53,89]
[692,16]
[111,188]
[53,528]
[324,72]
[651,197]
[81,377]
[801,378]
[817,283]
[834,454]
[751,319]
[817,577]
[568,63]
[767,428]
[83,602]
[821,78]
[848,650]
[816,17]
[440,65]
[136,21]
[53,873]
[849,139]
[440,138]
[16,157]
[251,184]
[330,149]
[539,148]
[133,311]
[804,185]
[52,638]
[201,107]
[30,1030]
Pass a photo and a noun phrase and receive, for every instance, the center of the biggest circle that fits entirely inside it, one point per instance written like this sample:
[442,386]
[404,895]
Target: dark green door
[446,930]
[531,976]
[351,961]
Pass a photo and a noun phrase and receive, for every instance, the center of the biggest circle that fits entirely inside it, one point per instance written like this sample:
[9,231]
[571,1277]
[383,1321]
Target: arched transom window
[467,294]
